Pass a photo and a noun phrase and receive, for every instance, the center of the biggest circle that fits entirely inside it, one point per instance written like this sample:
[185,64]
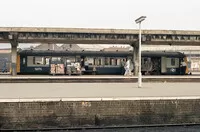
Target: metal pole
[139,71]
[139,21]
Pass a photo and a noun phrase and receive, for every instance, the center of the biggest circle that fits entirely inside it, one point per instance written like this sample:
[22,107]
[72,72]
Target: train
[99,62]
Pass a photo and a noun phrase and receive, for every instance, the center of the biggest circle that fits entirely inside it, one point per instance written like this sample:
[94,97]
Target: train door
[3,67]
[156,65]
[57,66]
[163,65]
[183,66]
[151,65]
[21,64]
[82,63]
[187,68]
[72,64]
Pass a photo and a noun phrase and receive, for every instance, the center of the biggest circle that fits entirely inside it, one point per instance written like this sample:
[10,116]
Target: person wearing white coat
[128,68]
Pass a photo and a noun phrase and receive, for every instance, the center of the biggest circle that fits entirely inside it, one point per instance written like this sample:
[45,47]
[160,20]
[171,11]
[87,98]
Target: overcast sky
[161,14]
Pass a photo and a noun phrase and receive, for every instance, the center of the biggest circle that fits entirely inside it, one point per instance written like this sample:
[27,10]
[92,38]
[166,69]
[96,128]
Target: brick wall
[95,113]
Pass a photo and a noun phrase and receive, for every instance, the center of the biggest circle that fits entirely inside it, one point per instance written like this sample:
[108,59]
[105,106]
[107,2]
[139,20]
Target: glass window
[24,61]
[89,61]
[102,61]
[97,61]
[77,59]
[118,62]
[172,61]
[107,61]
[71,59]
[113,61]
[53,59]
[47,61]
[94,61]
[122,62]
[38,60]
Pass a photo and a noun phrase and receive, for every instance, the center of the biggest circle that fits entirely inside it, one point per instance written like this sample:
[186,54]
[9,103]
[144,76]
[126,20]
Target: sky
[118,14]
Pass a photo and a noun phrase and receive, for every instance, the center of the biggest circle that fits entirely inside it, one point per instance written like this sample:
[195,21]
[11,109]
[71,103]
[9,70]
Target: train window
[97,61]
[89,61]
[33,60]
[55,60]
[173,62]
[71,59]
[142,61]
[113,61]
[107,61]
[102,61]
[47,61]
[24,61]
[77,58]
[118,62]
[122,62]
[38,60]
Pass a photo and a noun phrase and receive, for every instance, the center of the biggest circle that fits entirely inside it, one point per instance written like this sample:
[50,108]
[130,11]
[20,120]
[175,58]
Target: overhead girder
[100,38]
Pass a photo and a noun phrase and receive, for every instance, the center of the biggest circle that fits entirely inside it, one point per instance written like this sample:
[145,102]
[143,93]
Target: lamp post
[139,21]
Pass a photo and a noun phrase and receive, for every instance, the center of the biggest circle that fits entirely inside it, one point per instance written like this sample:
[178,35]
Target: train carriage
[99,62]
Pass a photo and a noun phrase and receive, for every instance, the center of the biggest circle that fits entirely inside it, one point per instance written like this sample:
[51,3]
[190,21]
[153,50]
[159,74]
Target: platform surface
[97,90]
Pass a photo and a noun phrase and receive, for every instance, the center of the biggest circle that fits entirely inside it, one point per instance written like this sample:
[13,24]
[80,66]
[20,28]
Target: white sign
[38,69]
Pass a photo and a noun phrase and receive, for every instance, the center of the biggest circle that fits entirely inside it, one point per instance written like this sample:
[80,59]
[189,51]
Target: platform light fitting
[140,19]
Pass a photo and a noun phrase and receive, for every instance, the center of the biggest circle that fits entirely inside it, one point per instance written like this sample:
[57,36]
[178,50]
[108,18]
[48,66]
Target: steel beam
[100,36]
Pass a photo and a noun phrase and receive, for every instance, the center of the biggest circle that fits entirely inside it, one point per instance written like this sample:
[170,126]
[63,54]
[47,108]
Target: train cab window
[173,62]
[24,61]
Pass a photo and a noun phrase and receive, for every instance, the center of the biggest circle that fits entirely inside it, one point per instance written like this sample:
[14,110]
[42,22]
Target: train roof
[98,53]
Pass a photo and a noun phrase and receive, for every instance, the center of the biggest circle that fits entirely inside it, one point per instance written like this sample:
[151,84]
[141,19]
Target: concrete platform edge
[97,99]
[94,80]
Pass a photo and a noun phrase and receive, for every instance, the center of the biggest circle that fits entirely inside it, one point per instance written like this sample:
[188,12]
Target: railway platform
[64,105]
[97,91]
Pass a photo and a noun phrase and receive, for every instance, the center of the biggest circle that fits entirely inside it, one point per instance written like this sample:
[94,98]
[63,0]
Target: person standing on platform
[183,67]
[128,68]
